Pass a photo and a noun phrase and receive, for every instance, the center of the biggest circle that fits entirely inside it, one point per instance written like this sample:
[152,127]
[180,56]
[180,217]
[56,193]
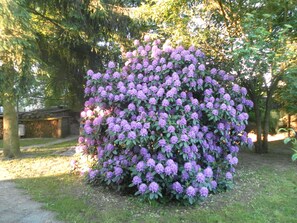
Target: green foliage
[16,46]
[287,94]
[73,35]
[187,22]
[293,140]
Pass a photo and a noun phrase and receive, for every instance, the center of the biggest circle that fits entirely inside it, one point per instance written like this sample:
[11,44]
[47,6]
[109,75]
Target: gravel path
[17,207]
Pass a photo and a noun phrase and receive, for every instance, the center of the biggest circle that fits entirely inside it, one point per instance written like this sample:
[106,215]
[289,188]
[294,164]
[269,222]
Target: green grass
[39,141]
[64,144]
[30,142]
[265,191]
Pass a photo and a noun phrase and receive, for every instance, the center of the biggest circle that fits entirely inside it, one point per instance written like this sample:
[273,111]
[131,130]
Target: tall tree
[261,58]
[17,41]
[75,36]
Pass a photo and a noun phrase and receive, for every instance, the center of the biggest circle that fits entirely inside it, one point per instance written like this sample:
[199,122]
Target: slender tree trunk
[289,125]
[258,144]
[11,143]
[268,106]
[266,123]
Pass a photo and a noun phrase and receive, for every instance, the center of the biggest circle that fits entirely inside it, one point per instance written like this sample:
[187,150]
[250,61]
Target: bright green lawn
[265,191]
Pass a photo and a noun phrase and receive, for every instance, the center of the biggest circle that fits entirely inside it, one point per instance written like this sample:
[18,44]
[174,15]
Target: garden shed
[48,123]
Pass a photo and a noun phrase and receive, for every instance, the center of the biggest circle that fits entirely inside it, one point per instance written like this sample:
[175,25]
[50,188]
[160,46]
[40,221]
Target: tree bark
[11,143]
[258,144]
[266,123]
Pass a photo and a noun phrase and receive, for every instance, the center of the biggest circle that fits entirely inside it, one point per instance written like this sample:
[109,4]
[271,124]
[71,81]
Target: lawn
[40,141]
[265,191]
[31,141]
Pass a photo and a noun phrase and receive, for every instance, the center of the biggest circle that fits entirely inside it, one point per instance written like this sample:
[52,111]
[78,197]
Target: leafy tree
[262,57]
[236,31]
[287,93]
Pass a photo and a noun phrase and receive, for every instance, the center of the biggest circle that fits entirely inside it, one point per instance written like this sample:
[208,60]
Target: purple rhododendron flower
[200,177]
[171,129]
[187,108]
[153,101]
[140,166]
[111,65]
[190,191]
[203,192]
[177,187]
[184,138]
[116,128]
[188,166]
[118,171]
[136,180]
[168,148]
[159,168]
[173,140]
[162,142]
[143,132]
[227,97]
[150,163]
[88,130]
[154,187]
[149,177]
[162,123]
[213,184]
[201,67]
[208,172]
[229,176]
[215,112]
[131,135]
[109,175]
[93,174]
[142,188]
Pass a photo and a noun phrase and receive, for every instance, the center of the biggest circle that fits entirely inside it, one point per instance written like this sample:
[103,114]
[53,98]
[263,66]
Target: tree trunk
[289,125]
[266,123]
[11,143]
[258,144]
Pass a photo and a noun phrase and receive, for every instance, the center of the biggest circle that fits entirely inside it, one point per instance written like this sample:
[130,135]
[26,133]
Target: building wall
[44,128]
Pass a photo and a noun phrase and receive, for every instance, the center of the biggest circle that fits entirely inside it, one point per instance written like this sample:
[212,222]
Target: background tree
[16,58]
[235,32]
[70,37]
[75,36]
[262,57]
[287,93]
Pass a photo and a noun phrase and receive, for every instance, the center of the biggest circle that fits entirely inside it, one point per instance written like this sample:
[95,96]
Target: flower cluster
[166,124]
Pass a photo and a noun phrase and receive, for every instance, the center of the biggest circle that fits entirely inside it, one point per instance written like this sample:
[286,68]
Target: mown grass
[265,191]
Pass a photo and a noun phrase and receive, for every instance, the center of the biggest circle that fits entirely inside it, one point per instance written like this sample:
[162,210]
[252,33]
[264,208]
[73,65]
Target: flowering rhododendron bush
[166,124]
